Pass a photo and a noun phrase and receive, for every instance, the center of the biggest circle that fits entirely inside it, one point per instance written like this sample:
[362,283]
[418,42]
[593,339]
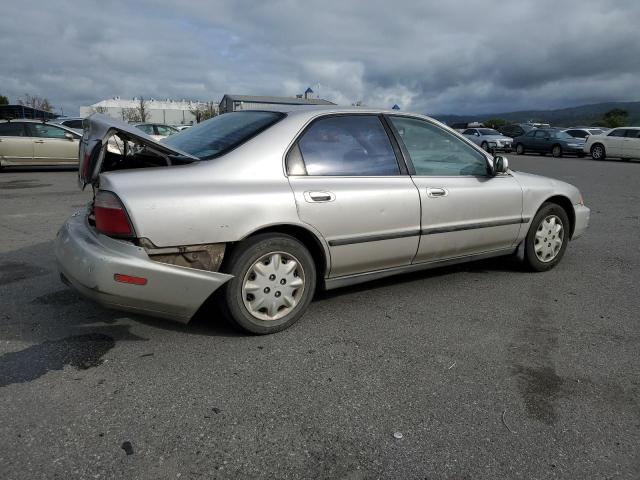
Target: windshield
[564,135]
[216,136]
[488,131]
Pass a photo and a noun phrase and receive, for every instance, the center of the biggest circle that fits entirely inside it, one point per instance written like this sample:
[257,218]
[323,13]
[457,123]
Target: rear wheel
[520,149]
[547,238]
[274,278]
[598,152]
[556,151]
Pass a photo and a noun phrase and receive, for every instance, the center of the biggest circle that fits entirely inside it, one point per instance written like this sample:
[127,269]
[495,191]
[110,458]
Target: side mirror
[68,136]
[477,134]
[501,164]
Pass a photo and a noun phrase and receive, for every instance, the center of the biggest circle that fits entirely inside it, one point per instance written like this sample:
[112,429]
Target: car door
[15,146]
[465,210]
[53,145]
[528,140]
[631,144]
[351,186]
[541,141]
[613,142]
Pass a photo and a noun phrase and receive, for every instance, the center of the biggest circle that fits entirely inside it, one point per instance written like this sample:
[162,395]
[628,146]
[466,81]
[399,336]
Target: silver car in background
[490,140]
[258,209]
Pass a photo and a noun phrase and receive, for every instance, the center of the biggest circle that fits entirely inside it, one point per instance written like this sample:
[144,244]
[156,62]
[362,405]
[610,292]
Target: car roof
[31,120]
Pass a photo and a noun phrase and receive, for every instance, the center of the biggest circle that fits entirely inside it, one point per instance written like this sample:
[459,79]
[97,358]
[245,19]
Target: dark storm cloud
[449,56]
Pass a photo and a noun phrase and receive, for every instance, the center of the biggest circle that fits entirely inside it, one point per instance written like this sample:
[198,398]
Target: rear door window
[12,129]
[349,145]
[73,124]
[631,133]
[44,130]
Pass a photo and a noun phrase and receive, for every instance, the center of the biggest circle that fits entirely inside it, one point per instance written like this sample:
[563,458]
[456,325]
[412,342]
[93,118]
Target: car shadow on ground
[498,264]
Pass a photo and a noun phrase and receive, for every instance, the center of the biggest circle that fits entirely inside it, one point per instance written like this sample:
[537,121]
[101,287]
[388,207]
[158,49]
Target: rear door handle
[38,141]
[435,192]
[319,197]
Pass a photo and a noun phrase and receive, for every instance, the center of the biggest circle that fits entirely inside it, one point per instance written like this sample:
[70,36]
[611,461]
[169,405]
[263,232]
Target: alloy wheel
[596,152]
[273,286]
[549,238]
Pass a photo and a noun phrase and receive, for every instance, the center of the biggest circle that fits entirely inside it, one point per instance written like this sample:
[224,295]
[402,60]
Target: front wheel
[598,152]
[520,149]
[274,279]
[556,151]
[547,238]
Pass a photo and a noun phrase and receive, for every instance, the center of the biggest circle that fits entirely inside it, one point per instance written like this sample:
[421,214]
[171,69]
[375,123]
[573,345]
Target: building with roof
[232,103]
[169,112]
[22,111]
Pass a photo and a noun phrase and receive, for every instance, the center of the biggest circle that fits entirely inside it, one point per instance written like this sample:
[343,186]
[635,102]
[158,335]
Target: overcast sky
[444,56]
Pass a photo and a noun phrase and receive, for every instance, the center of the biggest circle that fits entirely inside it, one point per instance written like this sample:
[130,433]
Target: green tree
[4,100]
[615,118]
[495,123]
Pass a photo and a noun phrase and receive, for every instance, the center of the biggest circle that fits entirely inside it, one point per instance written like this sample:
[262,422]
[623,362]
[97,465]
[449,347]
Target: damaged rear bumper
[89,262]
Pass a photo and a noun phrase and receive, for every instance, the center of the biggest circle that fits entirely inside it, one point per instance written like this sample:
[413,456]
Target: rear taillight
[111,217]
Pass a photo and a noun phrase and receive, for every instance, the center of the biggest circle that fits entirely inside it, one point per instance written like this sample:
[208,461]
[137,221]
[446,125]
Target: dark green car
[549,140]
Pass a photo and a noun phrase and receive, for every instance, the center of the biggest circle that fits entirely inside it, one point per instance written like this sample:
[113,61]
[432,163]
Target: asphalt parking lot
[485,370]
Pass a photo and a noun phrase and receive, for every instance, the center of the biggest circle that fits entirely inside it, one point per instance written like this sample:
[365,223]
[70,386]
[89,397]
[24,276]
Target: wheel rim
[519,149]
[273,286]
[556,151]
[597,152]
[549,238]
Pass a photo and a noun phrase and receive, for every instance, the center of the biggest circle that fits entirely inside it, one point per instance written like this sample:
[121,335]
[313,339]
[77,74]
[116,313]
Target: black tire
[556,151]
[598,152]
[520,149]
[531,259]
[238,264]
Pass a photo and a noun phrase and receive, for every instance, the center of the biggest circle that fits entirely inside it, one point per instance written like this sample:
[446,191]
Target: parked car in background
[515,130]
[490,140]
[549,140]
[74,123]
[33,142]
[584,132]
[621,142]
[157,131]
[344,196]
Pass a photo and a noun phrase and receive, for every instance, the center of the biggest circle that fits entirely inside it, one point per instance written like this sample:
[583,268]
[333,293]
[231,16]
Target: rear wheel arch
[309,239]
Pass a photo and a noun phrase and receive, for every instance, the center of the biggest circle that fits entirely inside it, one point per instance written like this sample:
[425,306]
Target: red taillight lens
[111,217]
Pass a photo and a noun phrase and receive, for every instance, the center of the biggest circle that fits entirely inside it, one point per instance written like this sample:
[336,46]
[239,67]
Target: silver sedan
[489,139]
[258,209]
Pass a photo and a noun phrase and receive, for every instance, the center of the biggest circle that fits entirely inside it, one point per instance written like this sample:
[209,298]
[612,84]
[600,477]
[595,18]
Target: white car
[621,142]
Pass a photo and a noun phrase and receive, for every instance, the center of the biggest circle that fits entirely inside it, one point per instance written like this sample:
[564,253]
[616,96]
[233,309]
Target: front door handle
[38,141]
[436,192]
[319,197]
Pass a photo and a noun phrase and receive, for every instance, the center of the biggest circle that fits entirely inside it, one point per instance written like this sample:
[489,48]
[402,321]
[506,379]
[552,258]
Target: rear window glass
[11,129]
[216,136]
[73,124]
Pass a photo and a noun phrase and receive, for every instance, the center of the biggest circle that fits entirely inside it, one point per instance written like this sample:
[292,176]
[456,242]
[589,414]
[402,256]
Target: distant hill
[564,117]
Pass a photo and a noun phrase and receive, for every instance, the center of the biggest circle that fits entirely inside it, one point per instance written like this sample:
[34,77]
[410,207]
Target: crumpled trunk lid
[124,146]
